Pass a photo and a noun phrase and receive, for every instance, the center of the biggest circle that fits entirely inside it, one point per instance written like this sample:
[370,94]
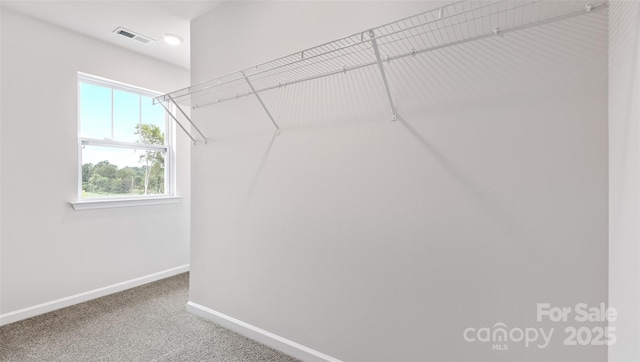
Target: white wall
[624,179]
[366,239]
[0,159]
[49,251]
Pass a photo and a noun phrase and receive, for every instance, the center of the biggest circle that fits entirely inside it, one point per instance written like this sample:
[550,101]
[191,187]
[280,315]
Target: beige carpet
[147,323]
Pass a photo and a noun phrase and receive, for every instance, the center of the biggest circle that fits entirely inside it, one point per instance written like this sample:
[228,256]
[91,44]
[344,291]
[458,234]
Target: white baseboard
[276,342]
[83,297]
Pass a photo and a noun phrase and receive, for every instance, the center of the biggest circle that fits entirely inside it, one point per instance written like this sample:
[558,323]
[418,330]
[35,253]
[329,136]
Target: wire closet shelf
[449,25]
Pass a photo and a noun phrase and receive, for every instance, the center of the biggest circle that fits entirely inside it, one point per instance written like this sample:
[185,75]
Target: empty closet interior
[450,163]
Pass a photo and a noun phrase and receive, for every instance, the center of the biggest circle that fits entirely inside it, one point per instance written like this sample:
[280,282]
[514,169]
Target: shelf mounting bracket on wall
[376,50]
[261,103]
[185,116]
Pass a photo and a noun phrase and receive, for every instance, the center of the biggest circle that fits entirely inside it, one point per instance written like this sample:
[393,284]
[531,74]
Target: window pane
[126,116]
[153,114]
[112,171]
[95,111]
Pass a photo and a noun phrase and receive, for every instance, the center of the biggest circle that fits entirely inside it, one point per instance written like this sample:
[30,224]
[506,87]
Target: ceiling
[98,19]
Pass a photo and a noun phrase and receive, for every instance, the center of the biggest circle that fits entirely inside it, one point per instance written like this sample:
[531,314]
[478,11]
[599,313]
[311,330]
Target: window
[124,141]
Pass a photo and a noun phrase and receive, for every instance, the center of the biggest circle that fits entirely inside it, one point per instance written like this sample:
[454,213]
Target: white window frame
[169,148]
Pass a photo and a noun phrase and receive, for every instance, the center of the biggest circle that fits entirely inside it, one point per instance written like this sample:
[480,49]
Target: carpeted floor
[147,323]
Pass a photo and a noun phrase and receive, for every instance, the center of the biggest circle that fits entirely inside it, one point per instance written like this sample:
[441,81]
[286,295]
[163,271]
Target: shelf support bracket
[376,50]
[261,103]
[188,118]
[178,123]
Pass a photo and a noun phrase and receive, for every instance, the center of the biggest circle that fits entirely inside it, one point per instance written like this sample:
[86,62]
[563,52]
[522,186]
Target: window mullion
[112,115]
[140,116]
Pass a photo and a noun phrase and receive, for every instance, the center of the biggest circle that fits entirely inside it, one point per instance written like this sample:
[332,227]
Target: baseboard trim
[276,342]
[35,310]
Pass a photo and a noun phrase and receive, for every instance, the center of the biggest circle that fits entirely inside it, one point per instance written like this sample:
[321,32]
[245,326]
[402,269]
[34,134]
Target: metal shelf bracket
[253,90]
[185,116]
[379,60]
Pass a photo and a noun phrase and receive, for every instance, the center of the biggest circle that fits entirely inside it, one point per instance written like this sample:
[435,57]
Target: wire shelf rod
[273,87]
[336,57]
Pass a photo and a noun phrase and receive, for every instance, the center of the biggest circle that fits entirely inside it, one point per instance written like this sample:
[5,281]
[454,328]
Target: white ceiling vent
[131,35]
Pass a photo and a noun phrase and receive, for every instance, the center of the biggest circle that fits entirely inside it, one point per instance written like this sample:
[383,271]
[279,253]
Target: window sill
[107,203]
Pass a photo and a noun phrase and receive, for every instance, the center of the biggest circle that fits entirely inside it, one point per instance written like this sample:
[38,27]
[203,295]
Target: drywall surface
[371,240]
[624,179]
[0,161]
[50,251]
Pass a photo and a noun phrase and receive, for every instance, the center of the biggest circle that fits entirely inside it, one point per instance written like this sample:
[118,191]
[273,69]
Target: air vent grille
[132,35]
